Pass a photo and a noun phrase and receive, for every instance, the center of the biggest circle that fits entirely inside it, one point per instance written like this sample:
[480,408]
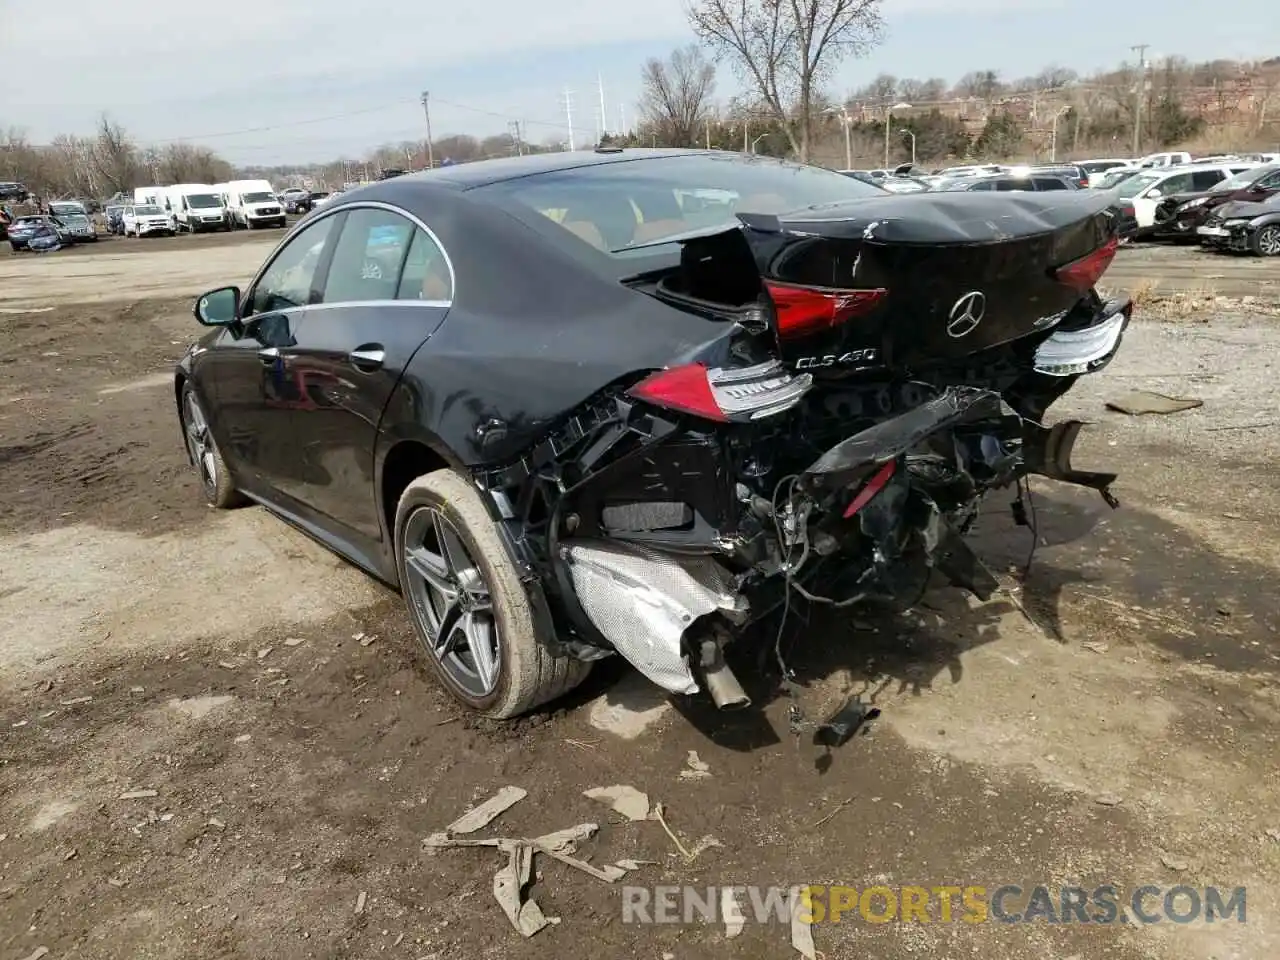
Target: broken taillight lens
[873,486]
[1084,274]
[724,394]
[805,310]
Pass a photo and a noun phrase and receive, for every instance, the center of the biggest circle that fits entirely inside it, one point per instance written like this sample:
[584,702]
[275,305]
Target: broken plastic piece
[628,801]
[487,812]
[845,723]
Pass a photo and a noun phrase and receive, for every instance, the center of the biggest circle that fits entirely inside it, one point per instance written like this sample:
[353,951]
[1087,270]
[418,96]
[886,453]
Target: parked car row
[1227,202]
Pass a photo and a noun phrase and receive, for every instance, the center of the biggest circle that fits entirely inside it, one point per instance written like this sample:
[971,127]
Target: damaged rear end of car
[882,366]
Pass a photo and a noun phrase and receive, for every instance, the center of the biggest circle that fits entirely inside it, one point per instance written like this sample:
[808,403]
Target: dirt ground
[1113,720]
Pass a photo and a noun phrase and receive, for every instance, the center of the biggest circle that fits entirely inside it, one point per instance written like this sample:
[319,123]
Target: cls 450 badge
[859,357]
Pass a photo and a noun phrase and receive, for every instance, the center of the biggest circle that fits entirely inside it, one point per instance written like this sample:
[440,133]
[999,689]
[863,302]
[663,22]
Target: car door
[250,371]
[388,288]
[1144,205]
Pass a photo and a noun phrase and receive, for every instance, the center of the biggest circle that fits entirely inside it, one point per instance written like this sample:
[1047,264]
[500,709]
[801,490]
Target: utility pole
[1138,89]
[622,119]
[604,117]
[708,133]
[426,108]
[568,114]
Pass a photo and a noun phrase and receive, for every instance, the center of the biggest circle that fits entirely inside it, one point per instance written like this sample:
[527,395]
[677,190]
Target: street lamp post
[888,115]
[845,120]
[757,140]
[908,133]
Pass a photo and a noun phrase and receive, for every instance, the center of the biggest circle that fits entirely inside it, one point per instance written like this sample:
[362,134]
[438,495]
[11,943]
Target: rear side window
[368,257]
[426,274]
[1180,183]
[629,207]
[1204,179]
[1049,183]
[1271,181]
[984,185]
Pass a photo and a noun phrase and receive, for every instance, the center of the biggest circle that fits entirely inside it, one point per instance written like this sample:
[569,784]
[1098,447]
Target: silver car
[73,216]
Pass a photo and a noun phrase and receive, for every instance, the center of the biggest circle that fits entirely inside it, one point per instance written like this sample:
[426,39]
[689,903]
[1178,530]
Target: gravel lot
[1112,720]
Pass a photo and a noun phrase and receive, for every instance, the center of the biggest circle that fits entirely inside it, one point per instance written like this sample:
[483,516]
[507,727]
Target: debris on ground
[294,641]
[361,900]
[511,882]
[628,801]
[76,700]
[1108,799]
[731,913]
[695,768]
[37,954]
[139,794]
[487,812]
[801,931]
[845,722]
[1095,647]
[706,843]
[1174,863]
[1138,402]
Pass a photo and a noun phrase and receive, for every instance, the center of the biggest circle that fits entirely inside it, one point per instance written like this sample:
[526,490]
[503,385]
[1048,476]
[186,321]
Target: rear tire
[215,478]
[521,673]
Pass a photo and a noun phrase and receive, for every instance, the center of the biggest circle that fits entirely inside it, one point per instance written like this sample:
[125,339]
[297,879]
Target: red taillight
[1084,273]
[725,394]
[872,487]
[805,310]
[686,389]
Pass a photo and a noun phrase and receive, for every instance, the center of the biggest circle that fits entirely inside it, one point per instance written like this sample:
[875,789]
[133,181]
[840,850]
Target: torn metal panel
[643,601]
[509,885]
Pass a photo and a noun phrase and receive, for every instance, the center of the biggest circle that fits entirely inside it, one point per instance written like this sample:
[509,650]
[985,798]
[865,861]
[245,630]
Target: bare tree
[676,95]
[1054,77]
[115,157]
[982,84]
[921,91]
[786,49]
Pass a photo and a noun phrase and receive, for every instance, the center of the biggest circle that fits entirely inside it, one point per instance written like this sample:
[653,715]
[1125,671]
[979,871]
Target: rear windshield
[638,208]
[66,209]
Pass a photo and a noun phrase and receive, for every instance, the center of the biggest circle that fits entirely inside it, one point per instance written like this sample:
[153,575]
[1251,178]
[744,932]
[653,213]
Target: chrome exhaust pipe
[722,686]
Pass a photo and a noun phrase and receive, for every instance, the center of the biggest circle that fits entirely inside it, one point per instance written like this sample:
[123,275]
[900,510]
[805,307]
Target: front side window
[1050,183]
[369,256]
[287,282]
[1181,183]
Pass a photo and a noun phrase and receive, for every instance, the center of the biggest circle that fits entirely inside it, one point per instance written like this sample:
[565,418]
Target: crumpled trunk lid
[937,276]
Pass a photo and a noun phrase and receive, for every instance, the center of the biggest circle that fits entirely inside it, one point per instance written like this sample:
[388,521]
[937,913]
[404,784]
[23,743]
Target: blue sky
[327,81]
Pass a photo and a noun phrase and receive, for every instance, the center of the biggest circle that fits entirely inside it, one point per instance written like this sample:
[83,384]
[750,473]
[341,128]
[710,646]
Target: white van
[195,207]
[253,203]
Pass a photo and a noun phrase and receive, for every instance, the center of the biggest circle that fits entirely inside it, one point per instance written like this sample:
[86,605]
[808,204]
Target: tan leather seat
[588,231]
[436,285]
[763,203]
[656,229]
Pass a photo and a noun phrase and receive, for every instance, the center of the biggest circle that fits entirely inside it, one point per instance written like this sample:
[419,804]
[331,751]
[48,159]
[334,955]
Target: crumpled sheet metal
[642,601]
[893,437]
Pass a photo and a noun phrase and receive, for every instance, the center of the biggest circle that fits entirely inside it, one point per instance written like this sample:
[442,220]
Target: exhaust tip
[722,686]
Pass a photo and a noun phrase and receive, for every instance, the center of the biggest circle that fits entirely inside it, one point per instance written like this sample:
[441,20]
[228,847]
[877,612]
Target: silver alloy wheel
[449,596]
[1269,241]
[200,443]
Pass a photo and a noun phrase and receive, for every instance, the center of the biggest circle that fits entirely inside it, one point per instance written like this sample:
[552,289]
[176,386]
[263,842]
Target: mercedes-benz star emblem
[967,314]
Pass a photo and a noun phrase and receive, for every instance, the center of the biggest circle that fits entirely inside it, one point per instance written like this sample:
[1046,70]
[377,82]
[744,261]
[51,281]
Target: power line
[291,123]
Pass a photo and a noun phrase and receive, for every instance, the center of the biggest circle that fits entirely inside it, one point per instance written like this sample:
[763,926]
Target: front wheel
[471,613]
[215,478]
[1266,242]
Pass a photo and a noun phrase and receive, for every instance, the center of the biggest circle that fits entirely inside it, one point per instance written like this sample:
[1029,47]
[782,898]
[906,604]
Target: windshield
[258,197]
[1135,185]
[1097,166]
[66,209]
[203,201]
[147,210]
[642,203]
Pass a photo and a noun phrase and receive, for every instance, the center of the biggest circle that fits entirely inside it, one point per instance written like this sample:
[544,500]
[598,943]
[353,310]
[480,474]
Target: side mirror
[1154,193]
[218,308]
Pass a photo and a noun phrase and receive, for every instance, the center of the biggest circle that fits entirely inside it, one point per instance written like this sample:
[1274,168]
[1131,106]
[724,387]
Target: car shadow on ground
[1129,575]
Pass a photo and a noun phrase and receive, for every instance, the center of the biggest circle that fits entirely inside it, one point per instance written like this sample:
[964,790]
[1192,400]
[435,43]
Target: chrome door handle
[367,358]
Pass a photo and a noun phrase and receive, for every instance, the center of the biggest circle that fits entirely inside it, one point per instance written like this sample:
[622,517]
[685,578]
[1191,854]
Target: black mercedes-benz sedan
[569,404]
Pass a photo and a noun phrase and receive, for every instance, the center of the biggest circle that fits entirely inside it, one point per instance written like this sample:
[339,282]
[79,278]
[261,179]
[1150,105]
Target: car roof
[481,173]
